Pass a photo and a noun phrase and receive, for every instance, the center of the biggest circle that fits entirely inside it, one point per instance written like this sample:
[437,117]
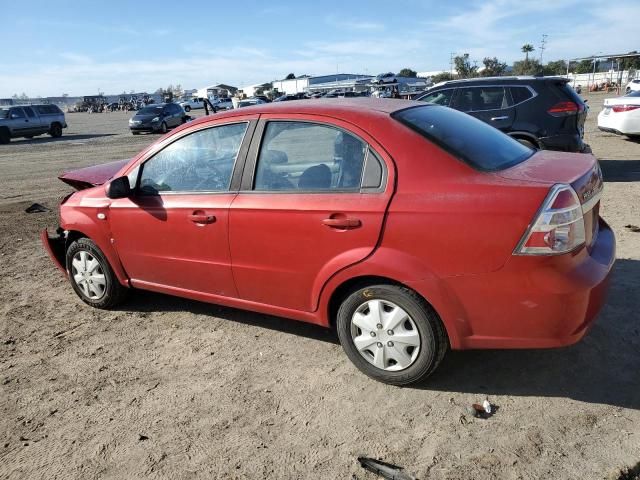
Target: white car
[249,102]
[633,86]
[223,104]
[621,115]
[192,104]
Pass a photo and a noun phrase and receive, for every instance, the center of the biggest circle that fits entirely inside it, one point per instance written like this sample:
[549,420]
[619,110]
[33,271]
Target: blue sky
[80,47]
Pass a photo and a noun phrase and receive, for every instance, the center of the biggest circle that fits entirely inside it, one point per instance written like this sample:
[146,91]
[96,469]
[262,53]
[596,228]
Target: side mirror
[118,188]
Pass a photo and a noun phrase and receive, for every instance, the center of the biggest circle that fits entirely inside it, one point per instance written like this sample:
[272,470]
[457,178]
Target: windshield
[471,140]
[4,113]
[633,94]
[150,110]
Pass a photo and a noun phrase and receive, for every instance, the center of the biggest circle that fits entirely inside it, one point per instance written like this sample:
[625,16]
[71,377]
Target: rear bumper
[563,143]
[537,302]
[55,247]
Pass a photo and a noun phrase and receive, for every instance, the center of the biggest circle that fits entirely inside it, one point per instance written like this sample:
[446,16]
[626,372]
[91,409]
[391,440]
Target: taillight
[566,108]
[624,108]
[559,226]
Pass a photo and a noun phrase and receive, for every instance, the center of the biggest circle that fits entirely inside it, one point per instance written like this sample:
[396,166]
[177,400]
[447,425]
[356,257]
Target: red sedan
[412,228]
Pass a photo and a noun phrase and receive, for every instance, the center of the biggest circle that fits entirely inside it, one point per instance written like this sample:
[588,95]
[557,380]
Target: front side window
[476,99]
[442,97]
[17,113]
[301,156]
[200,162]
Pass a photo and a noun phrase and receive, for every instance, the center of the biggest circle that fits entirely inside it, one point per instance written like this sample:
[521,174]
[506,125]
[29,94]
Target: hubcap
[88,275]
[385,335]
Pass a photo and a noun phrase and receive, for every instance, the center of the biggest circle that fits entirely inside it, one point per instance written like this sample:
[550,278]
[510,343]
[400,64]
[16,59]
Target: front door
[20,124]
[173,231]
[304,211]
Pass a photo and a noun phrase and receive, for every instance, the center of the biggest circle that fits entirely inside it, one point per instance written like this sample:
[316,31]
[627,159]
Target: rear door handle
[504,117]
[201,218]
[342,222]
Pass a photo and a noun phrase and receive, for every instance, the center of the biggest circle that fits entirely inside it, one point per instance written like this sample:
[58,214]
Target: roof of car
[333,107]
[521,78]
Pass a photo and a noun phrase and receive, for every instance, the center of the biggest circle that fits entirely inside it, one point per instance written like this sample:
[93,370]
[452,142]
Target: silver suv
[30,120]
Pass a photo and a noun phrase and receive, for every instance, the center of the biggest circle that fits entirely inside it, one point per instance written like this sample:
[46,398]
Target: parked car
[621,115]
[411,227]
[157,118]
[223,104]
[29,121]
[192,104]
[540,112]
[633,86]
[249,102]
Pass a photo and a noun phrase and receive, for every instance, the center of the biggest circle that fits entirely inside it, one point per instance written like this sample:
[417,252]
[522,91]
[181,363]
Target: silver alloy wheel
[88,275]
[385,335]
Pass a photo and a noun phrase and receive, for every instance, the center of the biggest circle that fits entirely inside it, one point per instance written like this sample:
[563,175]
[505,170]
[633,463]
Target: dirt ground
[170,388]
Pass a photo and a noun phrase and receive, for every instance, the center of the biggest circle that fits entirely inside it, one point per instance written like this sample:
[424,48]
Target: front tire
[163,128]
[5,136]
[391,334]
[91,275]
[187,108]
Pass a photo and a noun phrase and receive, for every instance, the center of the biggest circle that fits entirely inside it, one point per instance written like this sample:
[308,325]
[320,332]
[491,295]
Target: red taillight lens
[624,108]
[565,108]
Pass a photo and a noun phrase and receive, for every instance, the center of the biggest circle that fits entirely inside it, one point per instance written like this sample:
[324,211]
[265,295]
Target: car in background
[416,228]
[192,104]
[621,115]
[633,85]
[540,112]
[292,96]
[250,102]
[157,118]
[223,103]
[29,121]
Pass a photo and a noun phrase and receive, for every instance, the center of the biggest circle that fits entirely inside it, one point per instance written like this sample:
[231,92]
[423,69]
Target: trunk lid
[579,170]
[88,177]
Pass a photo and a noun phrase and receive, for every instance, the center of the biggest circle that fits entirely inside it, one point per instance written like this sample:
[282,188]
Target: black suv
[542,112]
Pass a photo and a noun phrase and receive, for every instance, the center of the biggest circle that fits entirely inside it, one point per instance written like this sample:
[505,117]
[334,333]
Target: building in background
[218,90]
[306,83]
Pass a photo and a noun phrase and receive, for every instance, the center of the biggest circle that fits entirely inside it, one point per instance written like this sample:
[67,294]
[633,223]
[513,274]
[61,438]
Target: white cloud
[352,24]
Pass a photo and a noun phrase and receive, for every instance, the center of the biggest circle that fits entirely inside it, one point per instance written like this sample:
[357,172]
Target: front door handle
[342,222]
[495,119]
[201,218]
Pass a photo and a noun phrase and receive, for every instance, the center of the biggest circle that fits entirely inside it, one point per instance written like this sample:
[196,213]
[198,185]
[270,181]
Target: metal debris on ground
[633,228]
[36,208]
[385,470]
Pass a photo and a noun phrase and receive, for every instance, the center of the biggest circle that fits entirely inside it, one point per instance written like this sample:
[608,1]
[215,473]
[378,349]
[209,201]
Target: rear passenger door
[491,104]
[313,198]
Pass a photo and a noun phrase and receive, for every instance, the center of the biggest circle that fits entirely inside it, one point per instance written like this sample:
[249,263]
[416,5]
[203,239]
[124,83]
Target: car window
[475,99]
[29,111]
[441,97]
[200,162]
[465,137]
[520,94]
[301,156]
[17,113]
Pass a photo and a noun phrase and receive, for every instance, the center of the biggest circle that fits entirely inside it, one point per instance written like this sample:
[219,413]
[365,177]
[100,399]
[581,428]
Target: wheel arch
[525,136]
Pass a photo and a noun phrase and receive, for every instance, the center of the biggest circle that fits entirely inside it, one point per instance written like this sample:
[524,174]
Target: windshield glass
[633,94]
[471,140]
[150,110]
[4,113]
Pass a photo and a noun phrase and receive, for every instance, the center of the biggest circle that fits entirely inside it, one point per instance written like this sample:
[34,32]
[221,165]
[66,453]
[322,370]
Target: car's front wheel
[187,108]
[91,275]
[163,128]
[391,334]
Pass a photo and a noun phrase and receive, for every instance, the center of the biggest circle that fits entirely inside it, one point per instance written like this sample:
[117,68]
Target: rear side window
[471,140]
[520,94]
[29,111]
[301,156]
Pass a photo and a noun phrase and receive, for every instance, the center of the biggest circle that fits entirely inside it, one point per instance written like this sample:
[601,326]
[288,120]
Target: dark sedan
[157,118]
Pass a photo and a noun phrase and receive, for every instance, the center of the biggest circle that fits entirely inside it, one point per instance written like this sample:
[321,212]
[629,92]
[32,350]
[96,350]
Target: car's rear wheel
[391,334]
[91,275]
[56,130]
[527,143]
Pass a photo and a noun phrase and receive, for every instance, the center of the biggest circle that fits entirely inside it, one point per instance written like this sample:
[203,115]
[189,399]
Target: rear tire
[527,143]
[401,346]
[56,130]
[92,277]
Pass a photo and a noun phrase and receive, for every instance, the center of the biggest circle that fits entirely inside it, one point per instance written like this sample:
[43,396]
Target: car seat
[267,177]
[317,177]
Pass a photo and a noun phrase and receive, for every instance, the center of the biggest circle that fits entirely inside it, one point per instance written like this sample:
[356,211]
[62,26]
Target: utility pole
[543,45]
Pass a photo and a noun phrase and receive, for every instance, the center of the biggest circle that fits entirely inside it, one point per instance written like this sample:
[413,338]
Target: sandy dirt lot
[170,388]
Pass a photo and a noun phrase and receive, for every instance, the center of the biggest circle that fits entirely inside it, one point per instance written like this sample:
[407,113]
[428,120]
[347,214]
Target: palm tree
[526,48]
